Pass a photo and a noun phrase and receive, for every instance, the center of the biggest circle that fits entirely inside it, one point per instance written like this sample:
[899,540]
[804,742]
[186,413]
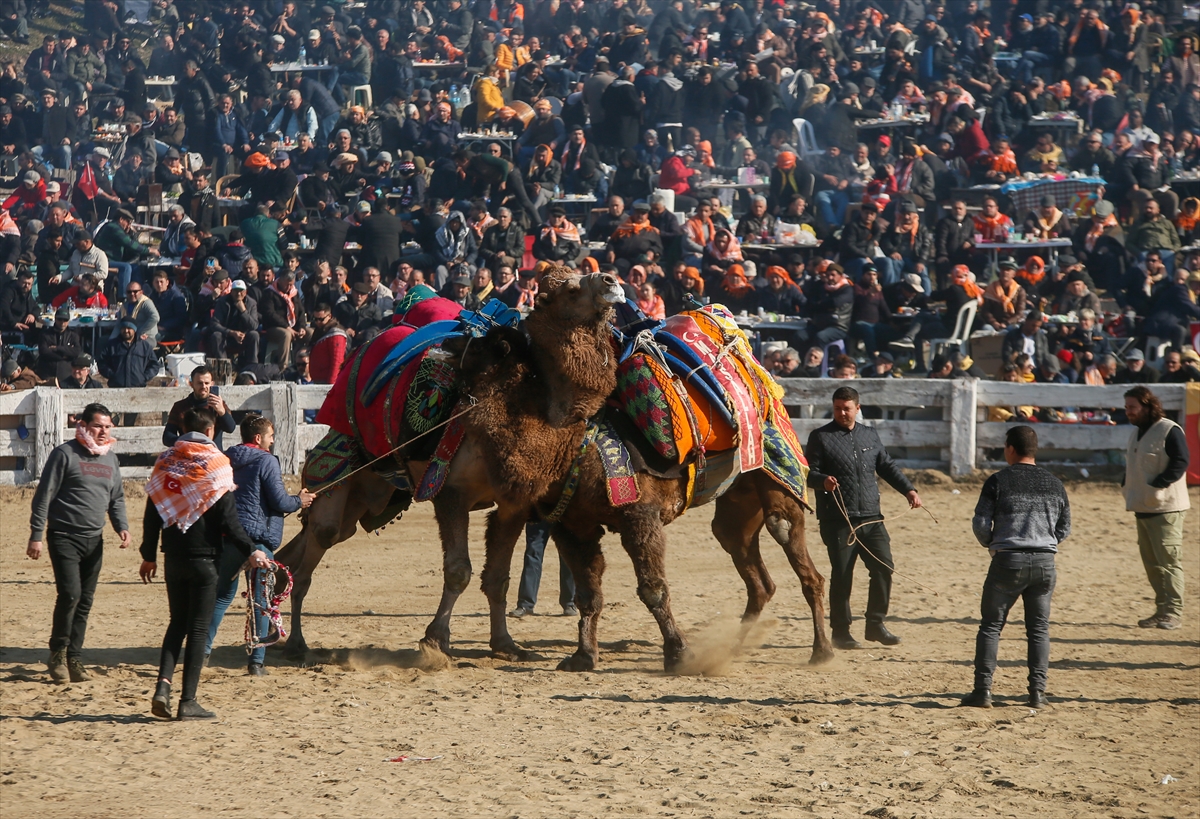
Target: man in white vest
[1155,489]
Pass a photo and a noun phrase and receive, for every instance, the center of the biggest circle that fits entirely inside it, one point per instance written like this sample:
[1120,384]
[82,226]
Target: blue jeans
[124,276]
[536,536]
[58,156]
[831,205]
[228,571]
[1030,62]
[325,126]
[1027,575]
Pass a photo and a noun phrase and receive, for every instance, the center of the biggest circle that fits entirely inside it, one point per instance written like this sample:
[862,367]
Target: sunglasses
[133,292]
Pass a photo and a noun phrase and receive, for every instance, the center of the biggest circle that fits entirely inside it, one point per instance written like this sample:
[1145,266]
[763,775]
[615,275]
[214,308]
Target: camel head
[496,356]
[578,299]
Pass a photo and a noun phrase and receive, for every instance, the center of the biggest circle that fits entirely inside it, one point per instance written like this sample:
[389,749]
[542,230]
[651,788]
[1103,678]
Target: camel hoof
[512,652]
[578,661]
[438,644]
[820,656]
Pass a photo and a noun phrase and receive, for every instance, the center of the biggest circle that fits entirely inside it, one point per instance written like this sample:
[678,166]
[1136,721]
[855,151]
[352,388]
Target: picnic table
[1026,194]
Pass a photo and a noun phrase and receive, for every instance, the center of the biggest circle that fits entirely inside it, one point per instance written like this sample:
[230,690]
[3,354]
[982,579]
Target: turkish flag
[87,182]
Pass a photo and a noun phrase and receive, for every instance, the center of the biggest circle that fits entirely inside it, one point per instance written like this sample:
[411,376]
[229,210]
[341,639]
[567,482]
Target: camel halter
[268,609]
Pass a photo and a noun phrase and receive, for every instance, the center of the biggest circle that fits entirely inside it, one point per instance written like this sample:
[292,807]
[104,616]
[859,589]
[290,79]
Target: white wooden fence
[927,423]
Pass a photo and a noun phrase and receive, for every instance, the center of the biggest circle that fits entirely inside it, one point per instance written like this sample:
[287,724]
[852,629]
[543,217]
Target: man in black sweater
[1022,515]
[194,524]
[843,457]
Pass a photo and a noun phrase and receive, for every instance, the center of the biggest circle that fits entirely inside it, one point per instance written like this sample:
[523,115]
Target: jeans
[1160,541]
[58,156]
[227,585]
[191,592]
[76,560]
[891,270]
[325,127]
[877,557]
[1028,575]
[124,276]
[831,205]
[1030,62]
[536,535]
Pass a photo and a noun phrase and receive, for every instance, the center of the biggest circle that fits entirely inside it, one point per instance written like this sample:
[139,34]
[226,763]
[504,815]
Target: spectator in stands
[1004,299]
[202,396]
[142,311]
[283,319]
[58,347]
[123,250]
[233,327]
[172,305]
[18,308]
[80,375]
[1030,339]
[85,293]
[330,342]
[128,360]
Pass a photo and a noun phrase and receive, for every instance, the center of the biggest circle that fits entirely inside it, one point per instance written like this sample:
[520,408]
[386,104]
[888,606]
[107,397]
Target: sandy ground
[874,733]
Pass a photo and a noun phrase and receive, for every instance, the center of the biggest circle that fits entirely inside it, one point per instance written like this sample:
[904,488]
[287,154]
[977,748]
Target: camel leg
[784,520]
[331,519]
[586,562]
[736,525]
[504,529]
[643,539]
[451,508]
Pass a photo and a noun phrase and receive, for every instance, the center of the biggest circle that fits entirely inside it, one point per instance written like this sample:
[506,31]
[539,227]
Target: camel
[537,393]
[578,314]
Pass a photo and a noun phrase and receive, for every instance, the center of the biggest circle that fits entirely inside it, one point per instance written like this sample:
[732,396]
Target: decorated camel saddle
[397,395]
[698,399]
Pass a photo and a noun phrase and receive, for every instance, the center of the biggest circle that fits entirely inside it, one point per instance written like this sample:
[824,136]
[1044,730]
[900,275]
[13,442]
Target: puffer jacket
[854,457]
[262,500]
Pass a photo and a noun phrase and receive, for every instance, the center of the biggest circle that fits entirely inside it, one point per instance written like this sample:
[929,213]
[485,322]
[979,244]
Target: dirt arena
[875,733]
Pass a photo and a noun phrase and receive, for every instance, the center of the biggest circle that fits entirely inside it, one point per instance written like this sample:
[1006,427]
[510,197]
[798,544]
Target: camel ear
[504,348]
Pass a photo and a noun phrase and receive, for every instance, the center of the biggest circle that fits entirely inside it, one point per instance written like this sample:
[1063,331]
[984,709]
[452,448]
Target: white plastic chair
[1156,348]
[960,338]
[807,139]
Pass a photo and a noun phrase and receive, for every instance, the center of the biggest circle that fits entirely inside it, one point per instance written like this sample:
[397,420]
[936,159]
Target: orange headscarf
[704,153]
[589,265]
[786,161]
[776,270]
[692,274]
[1028,274]
[961,275]
[735,283]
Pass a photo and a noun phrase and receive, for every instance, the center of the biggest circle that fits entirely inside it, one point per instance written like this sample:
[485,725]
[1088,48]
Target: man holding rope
[844,457]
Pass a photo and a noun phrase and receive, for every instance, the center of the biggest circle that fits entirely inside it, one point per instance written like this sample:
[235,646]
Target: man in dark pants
[190,502]
[1022,515]
[79,485]
[537,535]
[844,456]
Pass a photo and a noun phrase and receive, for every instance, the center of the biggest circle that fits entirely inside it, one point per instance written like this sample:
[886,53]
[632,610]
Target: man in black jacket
[194,530]
[503,239]
[58,346]
[18,308]
[953,240]
[844,458]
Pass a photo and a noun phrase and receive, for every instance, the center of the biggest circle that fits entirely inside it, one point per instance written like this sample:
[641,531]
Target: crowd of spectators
[318,161]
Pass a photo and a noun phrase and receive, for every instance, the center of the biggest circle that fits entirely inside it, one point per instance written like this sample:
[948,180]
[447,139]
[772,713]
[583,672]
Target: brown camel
[577,319]
[530,388]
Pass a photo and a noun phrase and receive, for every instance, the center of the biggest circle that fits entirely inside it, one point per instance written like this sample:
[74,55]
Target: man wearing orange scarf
[190,502]
[1004,299]
[991,223]
[283,318]
[1048,222]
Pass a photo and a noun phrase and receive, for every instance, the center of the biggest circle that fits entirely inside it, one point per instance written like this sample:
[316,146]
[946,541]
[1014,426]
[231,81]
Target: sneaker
[979,698]
[903,344]
[1169,622]
[57,665]
[570,611]
[519,612]
[1150,622]
[256,670]
[190,709]
[77,671]
[160,706]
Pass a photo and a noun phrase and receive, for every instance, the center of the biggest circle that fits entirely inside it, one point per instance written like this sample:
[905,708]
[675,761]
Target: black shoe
[979,698]
[880,634]
[846,642]
[160,706]
[256,670]
[1037,699]
[190,709]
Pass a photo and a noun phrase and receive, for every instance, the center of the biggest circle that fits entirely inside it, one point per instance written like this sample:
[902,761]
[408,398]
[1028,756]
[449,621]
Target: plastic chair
[840,347]
[960,338]
[1156,348]
[365,90]
[807,138]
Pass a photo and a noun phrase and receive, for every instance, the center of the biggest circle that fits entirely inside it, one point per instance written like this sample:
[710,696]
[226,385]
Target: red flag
[87,182]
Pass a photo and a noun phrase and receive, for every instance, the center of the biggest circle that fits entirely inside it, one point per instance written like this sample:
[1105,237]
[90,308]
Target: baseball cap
[914,281]
[31,177]
[1105,208]
[1152,137]
[62,314]
[82,360]
[364,206]
[278,38]
[238,284]
[641,204]
[1009,262]
[1134,354]
[313,34]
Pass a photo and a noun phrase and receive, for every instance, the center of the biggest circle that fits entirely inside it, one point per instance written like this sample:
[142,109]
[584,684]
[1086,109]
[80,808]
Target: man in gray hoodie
[79,485]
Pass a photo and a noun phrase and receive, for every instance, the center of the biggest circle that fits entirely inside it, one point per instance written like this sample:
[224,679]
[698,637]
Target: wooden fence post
[287,438]
[961,414]
[50,421]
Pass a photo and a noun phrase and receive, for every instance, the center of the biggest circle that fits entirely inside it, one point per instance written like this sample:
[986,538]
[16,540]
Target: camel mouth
[614,295]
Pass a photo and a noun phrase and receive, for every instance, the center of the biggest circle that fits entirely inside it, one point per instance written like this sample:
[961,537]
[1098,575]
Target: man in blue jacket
[262,503]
